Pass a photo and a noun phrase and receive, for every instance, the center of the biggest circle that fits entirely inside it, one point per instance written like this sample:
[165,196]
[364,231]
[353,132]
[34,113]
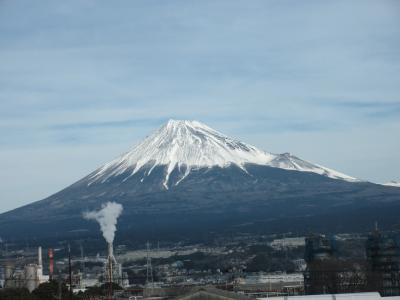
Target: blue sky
[83,81]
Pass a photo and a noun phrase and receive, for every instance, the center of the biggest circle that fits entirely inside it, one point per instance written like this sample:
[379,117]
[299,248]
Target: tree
[50,291]
[16,294]
[99,290]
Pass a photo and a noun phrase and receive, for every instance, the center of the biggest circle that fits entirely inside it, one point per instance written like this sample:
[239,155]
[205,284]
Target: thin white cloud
[88,75]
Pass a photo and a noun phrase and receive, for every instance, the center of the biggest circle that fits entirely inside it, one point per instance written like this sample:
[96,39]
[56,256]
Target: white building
[30,277]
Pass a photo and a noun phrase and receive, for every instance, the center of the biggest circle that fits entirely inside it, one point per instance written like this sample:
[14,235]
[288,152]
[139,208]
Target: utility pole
[82,261]
[70,271]
[59,285]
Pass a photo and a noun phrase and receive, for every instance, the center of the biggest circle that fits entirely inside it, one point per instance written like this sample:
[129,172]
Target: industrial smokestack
[110,261]
[110,250]
[107,218]
[51,263]
[40,263]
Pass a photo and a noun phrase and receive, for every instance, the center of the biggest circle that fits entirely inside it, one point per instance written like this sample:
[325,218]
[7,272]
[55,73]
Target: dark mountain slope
[263,199]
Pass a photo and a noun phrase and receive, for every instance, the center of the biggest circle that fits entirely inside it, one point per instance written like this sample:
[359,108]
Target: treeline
[53,290]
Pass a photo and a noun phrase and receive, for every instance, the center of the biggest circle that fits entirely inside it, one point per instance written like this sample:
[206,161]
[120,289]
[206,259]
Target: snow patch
[392,183]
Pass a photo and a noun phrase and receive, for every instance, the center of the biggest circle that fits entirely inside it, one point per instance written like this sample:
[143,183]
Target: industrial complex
[131,274]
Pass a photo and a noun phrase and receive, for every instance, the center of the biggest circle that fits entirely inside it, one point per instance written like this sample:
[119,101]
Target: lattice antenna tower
[149,271]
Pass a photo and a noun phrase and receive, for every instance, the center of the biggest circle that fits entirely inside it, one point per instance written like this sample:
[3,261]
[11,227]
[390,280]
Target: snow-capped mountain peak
[193,145]
[393,183]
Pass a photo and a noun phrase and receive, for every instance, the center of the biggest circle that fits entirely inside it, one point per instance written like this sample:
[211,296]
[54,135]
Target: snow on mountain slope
[291,162]
[392,183]
[193,145]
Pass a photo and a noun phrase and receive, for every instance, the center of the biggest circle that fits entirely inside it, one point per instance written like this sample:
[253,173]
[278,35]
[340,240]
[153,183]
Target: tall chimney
[110,250]
[40,263]
[51,263]
[110,261]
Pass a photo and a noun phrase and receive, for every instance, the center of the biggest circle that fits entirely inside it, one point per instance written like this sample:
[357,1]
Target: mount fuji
[191,145]
[188,180]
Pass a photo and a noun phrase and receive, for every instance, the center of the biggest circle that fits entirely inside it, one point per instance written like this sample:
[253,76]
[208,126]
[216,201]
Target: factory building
[383,256]
[29,277]
[317,248]
[319,274]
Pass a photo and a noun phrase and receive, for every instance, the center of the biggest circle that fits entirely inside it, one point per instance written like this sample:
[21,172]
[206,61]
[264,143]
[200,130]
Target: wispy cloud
[90,75]
[107,124]
[382,110]
[362,104]
[393,112]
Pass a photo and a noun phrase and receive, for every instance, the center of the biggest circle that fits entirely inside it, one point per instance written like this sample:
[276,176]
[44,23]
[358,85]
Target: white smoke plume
[107,218]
